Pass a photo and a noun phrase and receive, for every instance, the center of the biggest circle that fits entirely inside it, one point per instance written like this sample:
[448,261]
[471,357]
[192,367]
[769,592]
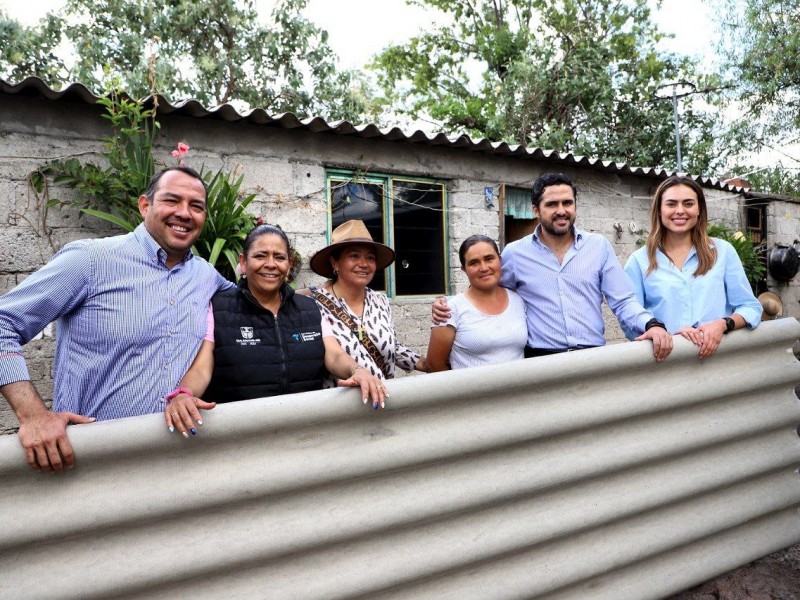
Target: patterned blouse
[377,324]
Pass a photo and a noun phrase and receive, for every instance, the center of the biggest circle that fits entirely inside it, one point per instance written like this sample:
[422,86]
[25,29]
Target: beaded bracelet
[177,392]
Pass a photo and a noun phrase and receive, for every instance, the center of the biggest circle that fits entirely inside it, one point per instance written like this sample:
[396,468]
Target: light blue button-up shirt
[127,327]
[680,299]
[564,300]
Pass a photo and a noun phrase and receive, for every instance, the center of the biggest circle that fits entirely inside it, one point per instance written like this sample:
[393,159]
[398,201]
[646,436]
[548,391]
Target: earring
[336,271]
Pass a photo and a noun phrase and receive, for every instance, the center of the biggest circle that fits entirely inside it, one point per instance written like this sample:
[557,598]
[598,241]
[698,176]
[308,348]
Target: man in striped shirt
[130,316]
[563,273]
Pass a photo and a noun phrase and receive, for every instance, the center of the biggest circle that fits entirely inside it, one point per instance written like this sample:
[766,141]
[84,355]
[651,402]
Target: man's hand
[183,412]
[44,438]
[373,389]
[440,312]
[662,342]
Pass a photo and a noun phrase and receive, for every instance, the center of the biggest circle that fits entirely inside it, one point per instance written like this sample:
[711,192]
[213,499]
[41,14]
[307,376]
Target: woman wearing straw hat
[693,283]
[361,318]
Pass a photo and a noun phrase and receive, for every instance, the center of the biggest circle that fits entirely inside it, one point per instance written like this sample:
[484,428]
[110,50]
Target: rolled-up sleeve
[620,295]
[54,290]
[737,288]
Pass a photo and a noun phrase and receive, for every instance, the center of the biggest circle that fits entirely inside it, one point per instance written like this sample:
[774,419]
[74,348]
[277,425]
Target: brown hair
[703,245]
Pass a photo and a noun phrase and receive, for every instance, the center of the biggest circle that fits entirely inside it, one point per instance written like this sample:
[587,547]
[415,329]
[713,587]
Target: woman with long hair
[487,322]
[693,283]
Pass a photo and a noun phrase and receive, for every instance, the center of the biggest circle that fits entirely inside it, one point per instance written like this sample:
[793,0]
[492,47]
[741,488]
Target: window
[407,214]
[518,217]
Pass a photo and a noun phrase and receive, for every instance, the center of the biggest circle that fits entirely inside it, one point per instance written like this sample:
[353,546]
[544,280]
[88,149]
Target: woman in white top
[487,322]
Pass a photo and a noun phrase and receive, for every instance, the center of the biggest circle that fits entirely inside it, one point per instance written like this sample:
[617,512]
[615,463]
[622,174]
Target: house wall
[783,228]
[286,171]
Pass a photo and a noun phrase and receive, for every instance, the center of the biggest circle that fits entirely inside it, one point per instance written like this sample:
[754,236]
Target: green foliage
[762,51]
[227,223]
[577,76]
[30,51]
[112,193]
[772,180]
[750,253]
[214,51]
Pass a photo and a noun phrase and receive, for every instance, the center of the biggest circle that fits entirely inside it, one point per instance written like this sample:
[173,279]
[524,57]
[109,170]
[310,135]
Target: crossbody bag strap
[340,313]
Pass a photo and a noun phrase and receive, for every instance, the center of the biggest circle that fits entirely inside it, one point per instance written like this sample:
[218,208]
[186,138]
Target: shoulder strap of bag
[340,313]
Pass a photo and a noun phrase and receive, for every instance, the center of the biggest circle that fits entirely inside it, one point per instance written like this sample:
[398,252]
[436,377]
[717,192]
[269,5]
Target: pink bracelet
[177,392]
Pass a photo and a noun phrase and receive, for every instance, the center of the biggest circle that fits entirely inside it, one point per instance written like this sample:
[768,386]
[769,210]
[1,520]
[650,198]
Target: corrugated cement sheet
[595,474]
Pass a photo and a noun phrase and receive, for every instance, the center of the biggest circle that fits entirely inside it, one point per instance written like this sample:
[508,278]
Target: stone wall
[783,227]
[286,170]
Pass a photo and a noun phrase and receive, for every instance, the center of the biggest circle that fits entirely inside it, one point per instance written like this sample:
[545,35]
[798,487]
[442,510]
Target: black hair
[259,230]
[471,241]
[545,181]
[150,192]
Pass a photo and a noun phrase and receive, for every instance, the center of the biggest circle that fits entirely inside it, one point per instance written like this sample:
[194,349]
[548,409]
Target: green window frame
[408,214]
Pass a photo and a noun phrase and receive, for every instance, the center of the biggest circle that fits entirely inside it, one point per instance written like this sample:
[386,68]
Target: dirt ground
[775,577]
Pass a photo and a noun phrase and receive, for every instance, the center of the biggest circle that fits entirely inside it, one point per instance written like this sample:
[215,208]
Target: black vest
[258,355]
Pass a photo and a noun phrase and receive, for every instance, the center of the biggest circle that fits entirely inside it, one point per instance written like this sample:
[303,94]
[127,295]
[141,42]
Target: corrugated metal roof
[33,86]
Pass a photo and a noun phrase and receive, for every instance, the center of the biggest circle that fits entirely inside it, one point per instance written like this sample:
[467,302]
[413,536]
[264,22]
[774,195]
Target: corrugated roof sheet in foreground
[33,86]
[593,474]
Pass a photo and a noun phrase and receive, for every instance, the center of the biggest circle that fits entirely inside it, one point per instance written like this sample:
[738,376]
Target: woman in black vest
[263,340]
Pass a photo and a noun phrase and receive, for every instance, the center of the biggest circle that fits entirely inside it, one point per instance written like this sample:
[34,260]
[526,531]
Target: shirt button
[172,301]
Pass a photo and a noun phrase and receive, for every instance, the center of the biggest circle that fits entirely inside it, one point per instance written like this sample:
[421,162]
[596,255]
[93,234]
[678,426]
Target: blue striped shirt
[128,327]
[564,300]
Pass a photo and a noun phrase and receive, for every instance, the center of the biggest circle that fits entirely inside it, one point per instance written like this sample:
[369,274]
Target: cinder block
[309,181]
[267,176]
[22,250]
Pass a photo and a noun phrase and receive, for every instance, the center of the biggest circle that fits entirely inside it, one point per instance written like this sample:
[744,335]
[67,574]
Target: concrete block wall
[286,172]
[783,228]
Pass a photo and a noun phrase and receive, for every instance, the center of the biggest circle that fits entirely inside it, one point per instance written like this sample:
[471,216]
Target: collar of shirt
[151,247]
[577,244]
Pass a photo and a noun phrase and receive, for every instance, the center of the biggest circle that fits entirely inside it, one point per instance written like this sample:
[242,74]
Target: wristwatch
[730,324]
[654,323]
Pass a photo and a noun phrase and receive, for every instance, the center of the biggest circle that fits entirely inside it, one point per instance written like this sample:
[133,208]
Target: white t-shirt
[486,339]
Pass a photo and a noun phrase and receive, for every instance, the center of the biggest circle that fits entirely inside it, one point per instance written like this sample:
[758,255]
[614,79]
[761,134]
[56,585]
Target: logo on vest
[306,336]
[247,337]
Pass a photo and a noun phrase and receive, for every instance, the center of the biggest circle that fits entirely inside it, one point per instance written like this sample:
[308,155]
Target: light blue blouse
[678,298]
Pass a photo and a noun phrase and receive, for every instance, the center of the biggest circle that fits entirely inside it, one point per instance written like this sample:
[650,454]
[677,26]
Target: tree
[762,52]
[212,50]
[577,76]
[30,51]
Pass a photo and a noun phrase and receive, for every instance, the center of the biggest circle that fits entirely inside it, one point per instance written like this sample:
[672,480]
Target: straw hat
[772,305]
[350,233]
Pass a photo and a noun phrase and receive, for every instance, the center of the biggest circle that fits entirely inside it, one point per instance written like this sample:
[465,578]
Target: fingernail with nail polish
[193,430]
[199,422]
[171,429]
[184,434]
[365,400]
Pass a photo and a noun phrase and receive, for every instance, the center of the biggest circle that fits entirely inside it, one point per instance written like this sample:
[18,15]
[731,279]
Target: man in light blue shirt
[131,315]
[563,274]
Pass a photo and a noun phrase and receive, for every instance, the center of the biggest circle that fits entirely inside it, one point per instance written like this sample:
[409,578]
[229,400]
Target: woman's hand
[711,336]
[372,388]
[183,412]
[692,334]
